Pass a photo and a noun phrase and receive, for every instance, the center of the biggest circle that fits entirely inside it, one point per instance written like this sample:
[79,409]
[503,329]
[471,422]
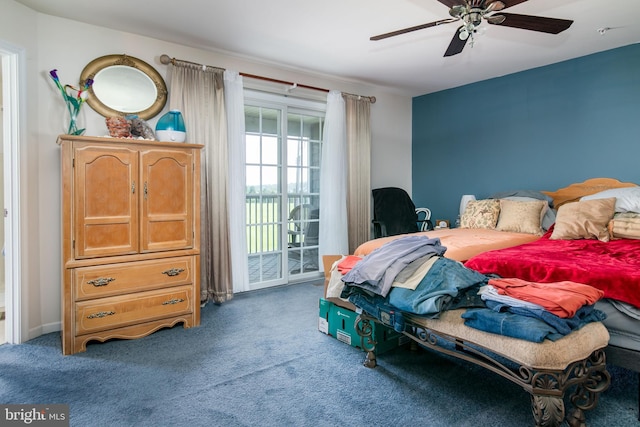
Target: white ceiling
[331,37]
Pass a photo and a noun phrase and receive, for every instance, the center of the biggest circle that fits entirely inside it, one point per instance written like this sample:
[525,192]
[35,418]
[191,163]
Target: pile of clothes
[534,311]
[411,275]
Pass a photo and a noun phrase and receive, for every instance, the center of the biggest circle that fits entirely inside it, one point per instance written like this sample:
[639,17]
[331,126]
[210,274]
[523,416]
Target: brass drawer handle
[101,281]
[173,271]
[101,314]
[173,301]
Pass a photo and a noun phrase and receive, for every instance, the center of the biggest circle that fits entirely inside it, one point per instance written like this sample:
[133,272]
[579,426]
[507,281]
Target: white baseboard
[45,329]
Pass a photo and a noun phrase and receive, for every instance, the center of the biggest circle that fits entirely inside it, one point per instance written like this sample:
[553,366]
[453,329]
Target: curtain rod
[166,59]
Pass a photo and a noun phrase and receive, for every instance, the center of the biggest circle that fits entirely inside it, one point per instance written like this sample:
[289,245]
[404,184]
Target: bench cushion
[553,355]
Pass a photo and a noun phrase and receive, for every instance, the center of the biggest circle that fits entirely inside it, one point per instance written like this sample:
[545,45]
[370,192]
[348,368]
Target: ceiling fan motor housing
[472,12]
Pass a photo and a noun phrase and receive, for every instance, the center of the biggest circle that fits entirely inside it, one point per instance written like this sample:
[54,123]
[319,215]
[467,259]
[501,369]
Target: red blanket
[613,267]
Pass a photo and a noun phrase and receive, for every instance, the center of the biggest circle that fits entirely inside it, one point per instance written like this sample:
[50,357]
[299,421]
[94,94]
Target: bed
[499,237]
[613,267]
[611,263]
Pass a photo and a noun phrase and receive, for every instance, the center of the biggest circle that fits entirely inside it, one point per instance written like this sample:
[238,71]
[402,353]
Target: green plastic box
[339,322]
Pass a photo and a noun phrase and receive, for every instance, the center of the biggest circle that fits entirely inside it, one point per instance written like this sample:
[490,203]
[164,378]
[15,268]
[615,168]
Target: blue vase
[170,127]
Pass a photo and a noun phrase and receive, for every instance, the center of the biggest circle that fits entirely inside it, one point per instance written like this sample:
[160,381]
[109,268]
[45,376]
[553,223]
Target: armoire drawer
[114,312]
[117,279]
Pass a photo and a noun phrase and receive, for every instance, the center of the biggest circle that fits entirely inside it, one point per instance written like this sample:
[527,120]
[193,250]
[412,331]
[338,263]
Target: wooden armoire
[130,238]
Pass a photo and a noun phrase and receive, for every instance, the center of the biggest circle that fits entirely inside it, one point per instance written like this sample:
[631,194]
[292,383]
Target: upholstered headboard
[574,192]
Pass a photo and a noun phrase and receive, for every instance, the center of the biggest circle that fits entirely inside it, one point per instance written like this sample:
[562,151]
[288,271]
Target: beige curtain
[358,111]
[198,92]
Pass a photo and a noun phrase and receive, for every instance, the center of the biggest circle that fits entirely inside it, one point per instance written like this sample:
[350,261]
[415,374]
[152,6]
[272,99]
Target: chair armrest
[379,229]
[424,218]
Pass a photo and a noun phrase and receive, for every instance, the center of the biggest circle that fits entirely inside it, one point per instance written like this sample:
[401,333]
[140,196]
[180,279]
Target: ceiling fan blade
[534,23]
[507,3]
[456,45]
[457,11]
[451,3]
[495,19]
[494,6]
[410,29]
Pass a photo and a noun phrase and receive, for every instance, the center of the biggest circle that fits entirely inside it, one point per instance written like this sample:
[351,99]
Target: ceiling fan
[472,12]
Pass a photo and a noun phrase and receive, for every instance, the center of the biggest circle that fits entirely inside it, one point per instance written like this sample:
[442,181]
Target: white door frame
[13,71]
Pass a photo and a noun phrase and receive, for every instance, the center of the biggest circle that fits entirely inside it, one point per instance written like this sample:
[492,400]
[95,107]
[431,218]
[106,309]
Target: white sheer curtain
[333,233]
[234,102]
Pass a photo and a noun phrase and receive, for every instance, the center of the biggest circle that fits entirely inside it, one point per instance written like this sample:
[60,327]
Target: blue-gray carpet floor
[259,360]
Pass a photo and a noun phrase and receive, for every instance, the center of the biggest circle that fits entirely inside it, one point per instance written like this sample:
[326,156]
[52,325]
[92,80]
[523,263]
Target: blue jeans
[509,324]
[563,325]
[441,285]
[376,306]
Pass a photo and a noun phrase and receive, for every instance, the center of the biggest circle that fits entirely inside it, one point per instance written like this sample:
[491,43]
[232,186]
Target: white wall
[18,30]
[391,143]
[2,257]
[67,46]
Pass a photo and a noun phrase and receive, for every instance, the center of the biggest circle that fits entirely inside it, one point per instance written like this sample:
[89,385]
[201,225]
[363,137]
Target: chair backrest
[304,218]
[394,207]
[300,213]
[312,231]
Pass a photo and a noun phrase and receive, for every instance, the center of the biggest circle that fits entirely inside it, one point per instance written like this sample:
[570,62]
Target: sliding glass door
[282,192]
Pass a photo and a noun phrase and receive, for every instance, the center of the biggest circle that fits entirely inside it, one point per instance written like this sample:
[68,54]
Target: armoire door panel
[106,201]
[167,202]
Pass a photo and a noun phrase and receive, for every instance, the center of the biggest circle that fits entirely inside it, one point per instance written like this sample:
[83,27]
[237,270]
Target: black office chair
[395,213]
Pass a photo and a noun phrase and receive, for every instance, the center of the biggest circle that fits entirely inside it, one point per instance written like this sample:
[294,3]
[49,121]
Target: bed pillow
[627,199]
[548,214]
[584,220]
[481,214]
[525,194]
[521,216]
[625,225]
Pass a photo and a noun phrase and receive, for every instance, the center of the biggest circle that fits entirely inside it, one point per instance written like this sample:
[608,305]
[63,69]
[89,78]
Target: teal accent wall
[539,129]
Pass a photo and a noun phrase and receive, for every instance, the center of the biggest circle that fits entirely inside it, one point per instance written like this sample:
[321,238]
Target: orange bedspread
[461,243]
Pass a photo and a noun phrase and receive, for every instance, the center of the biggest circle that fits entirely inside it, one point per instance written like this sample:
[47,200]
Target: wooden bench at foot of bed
[546,370]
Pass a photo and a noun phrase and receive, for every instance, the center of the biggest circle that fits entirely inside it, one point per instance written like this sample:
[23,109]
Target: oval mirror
[124,85]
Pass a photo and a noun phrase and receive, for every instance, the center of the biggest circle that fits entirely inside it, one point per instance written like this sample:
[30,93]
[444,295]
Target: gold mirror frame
[123,62]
